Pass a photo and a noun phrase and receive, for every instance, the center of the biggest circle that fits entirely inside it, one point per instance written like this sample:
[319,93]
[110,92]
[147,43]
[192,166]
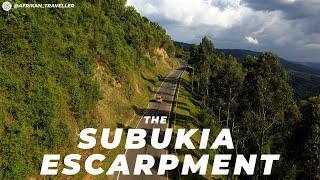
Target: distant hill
[289,65]
[314,65]
[304,77]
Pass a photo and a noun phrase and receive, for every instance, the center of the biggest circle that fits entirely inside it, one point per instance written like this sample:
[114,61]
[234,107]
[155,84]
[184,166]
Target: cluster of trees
[182,50]
[47,59]
[256,102]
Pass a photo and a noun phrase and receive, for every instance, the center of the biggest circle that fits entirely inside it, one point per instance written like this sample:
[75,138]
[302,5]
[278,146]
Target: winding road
[167,90]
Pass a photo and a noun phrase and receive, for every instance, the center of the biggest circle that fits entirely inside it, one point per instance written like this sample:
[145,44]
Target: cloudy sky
[290,28]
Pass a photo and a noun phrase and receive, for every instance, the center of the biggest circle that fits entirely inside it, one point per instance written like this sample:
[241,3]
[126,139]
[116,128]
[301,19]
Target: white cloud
[267,24]
[289,1]
[252,40]
[195,12]
[312,46]
[289,28]
[150,9]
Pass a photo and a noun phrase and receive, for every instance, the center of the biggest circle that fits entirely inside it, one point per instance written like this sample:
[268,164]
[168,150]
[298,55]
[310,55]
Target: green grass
[187,107]
[62,71]
[186,112]
[116,110]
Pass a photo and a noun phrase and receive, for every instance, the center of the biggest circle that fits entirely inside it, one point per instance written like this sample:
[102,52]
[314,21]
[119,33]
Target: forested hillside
[314,65]
[255,101]
[304,77]
[62,70]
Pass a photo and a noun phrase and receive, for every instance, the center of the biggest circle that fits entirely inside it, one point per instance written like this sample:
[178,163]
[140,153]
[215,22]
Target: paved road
[167,91]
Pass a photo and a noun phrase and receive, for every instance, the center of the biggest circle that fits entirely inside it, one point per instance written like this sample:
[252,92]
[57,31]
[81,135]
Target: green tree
[206,55]
[305,139]
[225,88]
[264,100]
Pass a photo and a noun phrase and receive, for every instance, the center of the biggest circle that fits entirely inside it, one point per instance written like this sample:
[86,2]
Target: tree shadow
[152,81]
[125,128]
[164,93]
[185,83]
[150,111]
[184,108]
[170,80]
[182,120]
[151,90]
[196,102]
[137,110]
[182,103]
[168,101]
[176,174]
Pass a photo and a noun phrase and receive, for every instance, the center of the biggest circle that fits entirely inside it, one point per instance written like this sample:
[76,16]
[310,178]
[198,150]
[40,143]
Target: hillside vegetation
[304,77]
[255,101]
[62,70]
[189,113]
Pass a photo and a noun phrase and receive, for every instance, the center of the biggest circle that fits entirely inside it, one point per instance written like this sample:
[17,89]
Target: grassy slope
[119,112]
[116,110]
[186,111]
[68,69]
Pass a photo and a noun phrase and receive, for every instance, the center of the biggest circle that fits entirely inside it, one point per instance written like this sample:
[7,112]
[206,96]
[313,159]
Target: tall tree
[306,140]
[195,62]
[225,87]
[265,97]
[206,56]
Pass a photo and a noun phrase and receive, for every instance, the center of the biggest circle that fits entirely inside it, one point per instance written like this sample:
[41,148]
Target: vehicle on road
[159,99]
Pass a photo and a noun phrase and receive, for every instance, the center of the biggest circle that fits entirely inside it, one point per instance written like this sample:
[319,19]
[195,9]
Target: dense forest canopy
[303,77]
[255,100]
